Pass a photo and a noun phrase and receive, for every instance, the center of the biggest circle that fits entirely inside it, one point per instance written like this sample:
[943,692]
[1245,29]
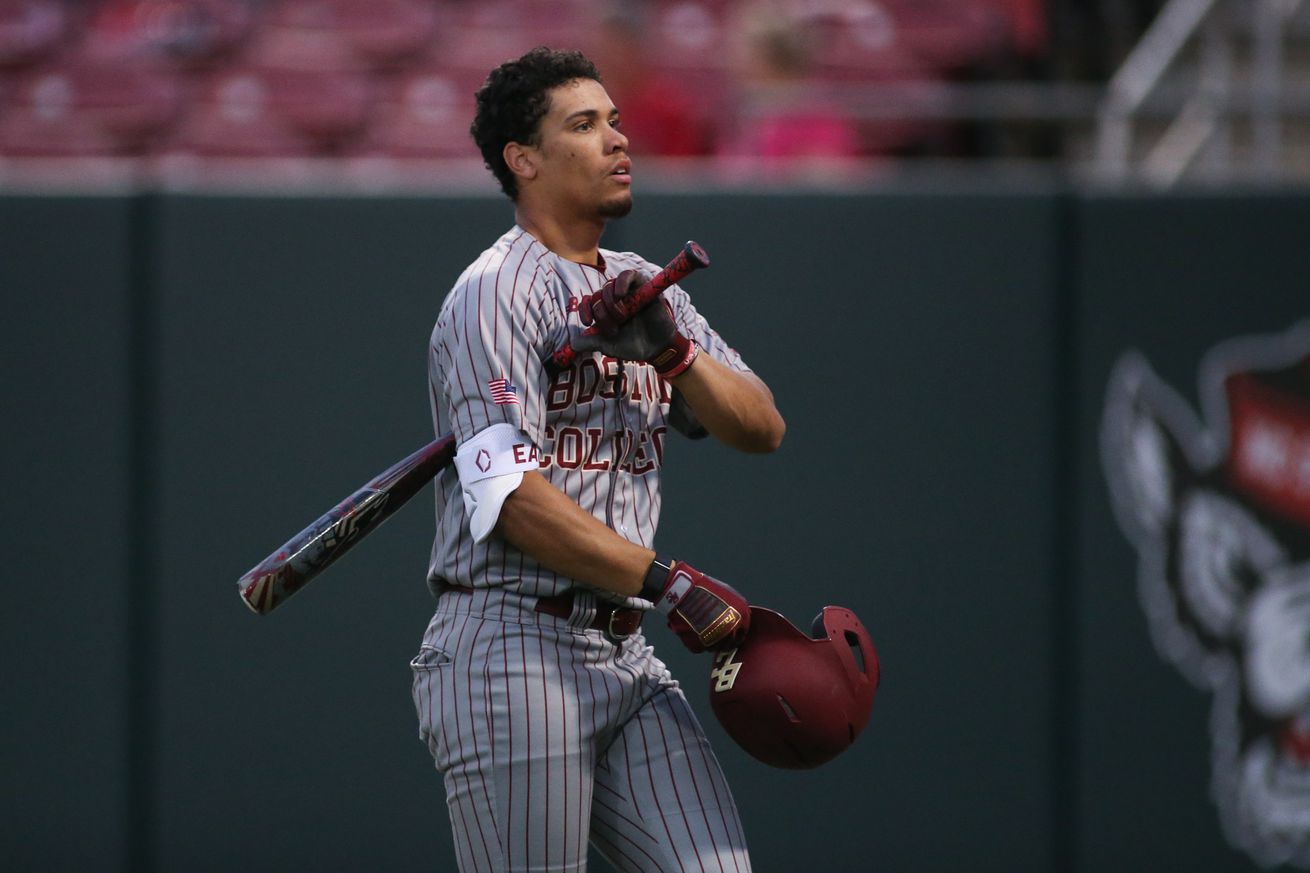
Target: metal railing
[1200,134]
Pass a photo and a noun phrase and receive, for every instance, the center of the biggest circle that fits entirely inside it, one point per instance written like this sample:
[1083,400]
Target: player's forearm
[737,408]
[543,522]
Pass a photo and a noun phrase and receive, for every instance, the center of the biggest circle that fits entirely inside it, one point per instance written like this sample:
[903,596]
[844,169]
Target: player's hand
[649,335]
[607,309]
[704,612]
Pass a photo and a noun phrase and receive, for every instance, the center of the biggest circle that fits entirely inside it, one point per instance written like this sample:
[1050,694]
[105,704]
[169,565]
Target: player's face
[584,165]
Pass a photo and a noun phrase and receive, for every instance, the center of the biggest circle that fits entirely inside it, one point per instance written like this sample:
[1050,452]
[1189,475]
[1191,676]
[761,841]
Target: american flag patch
[503,392]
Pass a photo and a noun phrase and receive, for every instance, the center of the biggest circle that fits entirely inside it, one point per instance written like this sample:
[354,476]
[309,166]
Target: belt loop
[584,608]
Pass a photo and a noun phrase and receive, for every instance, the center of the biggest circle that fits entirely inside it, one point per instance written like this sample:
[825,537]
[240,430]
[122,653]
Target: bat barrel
[314,549]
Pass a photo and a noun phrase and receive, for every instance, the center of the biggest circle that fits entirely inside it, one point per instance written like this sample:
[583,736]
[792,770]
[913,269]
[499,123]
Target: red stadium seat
[31,30]
[689,44]
[236,117]
[310,73]
[862,42]
[551,18]
[860,49]
[50,124]
[423,114]
[381,34]
[302,35]
[329,106]
[951,35]
[89,108]
[389,33]
[690,34]
[475,47]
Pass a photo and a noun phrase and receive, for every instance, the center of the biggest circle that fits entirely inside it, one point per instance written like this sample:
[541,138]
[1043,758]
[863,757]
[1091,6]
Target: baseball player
[551,720]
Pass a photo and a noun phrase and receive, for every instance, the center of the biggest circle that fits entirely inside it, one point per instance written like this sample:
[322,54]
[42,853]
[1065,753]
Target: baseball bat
[314,549]
[271,582]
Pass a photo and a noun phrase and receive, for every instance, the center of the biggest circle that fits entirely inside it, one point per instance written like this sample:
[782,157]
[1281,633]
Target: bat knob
[696,254]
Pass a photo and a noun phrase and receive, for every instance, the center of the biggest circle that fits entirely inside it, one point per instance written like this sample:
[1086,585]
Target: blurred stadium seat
[860,48]
[44,120]
[235,116]
[487,34]
[302,34]
[379,34]
[396,78]
[309,72]
[691,48]
[31,30]
[389,34]
[690,34]
[328,106]
[951,36]
[89,108]
[529,23]
[424,113]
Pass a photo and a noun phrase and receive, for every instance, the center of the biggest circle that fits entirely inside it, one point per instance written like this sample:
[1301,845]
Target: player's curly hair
[513,100]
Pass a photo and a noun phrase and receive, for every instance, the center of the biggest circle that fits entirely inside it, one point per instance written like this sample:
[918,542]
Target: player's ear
[521,160]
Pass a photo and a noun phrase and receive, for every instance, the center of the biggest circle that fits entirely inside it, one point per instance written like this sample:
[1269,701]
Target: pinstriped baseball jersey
[598,428]
[549,734]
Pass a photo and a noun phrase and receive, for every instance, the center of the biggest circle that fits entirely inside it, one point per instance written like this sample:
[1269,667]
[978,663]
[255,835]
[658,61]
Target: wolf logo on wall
[1219,510]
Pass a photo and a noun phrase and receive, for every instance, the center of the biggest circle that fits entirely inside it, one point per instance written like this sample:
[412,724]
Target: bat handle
[691,258]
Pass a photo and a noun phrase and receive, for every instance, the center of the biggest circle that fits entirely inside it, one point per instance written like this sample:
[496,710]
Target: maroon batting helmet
[793,700]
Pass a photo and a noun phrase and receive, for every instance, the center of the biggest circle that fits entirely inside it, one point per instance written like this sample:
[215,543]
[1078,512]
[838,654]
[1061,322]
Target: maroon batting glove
[704,612]
[649,334]
[604,309]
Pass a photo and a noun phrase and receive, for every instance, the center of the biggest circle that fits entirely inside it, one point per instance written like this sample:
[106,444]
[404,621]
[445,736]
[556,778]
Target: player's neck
[573,240]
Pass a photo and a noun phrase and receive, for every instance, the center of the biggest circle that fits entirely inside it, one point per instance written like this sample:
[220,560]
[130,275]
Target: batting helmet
[793,700]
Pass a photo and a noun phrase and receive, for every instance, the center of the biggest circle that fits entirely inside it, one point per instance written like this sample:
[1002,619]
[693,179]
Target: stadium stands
[395,78]
[85,107]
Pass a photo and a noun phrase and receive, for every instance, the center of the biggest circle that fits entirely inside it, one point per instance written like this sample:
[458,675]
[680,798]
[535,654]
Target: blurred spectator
[658,117]
[786,120]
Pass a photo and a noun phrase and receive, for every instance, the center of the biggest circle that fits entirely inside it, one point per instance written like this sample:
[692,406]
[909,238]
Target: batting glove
[704,612]
[649,335]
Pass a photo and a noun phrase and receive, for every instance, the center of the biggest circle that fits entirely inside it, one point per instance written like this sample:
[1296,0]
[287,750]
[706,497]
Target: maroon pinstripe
[629,768]
[541,727]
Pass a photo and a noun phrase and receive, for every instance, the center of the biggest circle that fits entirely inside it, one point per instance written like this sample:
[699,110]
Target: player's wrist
[676,357]
[657,578]
[704,612]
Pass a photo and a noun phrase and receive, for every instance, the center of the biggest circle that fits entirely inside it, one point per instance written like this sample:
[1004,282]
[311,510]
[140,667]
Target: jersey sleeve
[488,351]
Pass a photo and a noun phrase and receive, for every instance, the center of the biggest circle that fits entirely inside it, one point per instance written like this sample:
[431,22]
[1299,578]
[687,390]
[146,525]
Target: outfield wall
[193,378]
